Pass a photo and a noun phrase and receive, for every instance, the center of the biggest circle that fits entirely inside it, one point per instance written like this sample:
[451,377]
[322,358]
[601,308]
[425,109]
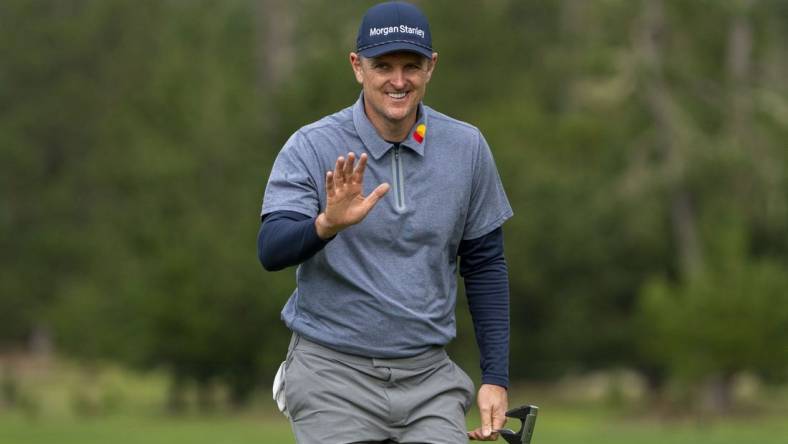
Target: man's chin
[398,114]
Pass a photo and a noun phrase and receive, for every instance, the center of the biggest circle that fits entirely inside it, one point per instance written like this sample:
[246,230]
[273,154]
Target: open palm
[346,205]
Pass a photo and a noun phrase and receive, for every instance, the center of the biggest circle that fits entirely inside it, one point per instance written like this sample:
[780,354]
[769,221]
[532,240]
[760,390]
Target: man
[375,203]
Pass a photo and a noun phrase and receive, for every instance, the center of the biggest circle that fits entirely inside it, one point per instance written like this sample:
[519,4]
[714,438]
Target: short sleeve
[292,185]
[489,208]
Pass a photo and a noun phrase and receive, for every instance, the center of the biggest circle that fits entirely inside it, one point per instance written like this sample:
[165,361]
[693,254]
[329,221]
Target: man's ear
[433,61]
[355,63]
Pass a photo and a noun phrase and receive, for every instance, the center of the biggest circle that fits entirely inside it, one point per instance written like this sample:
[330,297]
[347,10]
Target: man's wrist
[500,381]
[324,229]
[494,385]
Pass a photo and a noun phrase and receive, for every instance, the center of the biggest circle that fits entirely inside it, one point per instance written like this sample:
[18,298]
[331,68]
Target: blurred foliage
[729,319]
[136,139]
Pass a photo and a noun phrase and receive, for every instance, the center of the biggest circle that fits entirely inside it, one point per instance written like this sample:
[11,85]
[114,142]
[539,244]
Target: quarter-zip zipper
[399,180]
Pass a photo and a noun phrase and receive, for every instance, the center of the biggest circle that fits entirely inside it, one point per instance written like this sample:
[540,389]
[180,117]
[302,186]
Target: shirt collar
[375,144]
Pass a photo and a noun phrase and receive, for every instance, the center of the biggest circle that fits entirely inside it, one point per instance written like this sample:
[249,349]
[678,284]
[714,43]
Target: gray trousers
[338,398]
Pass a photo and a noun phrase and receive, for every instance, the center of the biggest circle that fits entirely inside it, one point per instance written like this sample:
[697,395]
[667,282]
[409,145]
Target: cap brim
[388,48]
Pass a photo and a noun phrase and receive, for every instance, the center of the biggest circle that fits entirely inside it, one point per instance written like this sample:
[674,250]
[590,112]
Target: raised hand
[345,205]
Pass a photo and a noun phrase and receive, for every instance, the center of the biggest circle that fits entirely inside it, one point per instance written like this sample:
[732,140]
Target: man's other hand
[493,401]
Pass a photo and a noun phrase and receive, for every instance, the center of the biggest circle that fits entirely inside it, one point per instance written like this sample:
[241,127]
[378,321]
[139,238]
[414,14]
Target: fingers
[330,183]
[343,170]
[345,184]
[476,435]
[351,160]
[498,417]
[358,176]
[375,196]
[339,171]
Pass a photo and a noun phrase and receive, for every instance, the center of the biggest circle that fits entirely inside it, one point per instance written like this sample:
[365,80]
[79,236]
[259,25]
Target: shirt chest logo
[418,135]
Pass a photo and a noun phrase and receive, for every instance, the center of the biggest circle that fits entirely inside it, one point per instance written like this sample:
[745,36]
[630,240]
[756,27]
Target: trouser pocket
[279,389]
[280,380]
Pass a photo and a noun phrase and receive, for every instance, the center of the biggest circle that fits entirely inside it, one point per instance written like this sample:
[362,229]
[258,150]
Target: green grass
[567,425]
[66,403]
[578,427]
[141,430]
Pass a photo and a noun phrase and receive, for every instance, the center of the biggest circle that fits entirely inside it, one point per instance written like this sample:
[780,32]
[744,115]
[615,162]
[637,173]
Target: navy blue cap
[391,27]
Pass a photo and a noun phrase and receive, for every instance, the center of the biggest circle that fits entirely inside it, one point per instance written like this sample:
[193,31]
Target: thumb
[375,195]
[486,422]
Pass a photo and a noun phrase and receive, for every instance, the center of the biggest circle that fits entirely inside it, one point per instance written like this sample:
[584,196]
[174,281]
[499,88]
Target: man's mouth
[397,95]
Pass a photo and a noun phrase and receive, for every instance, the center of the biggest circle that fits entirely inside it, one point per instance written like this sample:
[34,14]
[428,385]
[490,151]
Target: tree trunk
[717,397]
[206,397]
[739,73]
[275,27]
[672,136]
[768,170]
[275,23]
[176,395]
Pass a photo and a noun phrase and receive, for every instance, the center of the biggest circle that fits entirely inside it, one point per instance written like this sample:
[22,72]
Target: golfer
[380,205]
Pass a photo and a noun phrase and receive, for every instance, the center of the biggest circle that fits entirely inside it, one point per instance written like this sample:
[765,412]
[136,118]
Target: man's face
[393,85]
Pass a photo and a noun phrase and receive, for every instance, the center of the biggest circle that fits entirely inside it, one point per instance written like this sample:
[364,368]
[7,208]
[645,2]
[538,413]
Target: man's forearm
[484,270]
[488,300]
[287,238]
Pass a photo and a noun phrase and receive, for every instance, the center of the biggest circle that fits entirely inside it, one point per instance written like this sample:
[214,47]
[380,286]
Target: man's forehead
[399,56]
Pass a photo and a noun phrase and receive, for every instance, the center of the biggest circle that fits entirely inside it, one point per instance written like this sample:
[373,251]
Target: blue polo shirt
[386,287]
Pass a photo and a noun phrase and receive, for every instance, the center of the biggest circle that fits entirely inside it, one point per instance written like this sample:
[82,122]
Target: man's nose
[397,79]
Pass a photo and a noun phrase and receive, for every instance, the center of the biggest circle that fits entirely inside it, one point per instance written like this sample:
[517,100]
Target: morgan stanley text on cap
[391,27]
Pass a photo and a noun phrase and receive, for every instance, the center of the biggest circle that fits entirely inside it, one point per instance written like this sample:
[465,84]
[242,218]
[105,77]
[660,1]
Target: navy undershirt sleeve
[287,238]
[483,267]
